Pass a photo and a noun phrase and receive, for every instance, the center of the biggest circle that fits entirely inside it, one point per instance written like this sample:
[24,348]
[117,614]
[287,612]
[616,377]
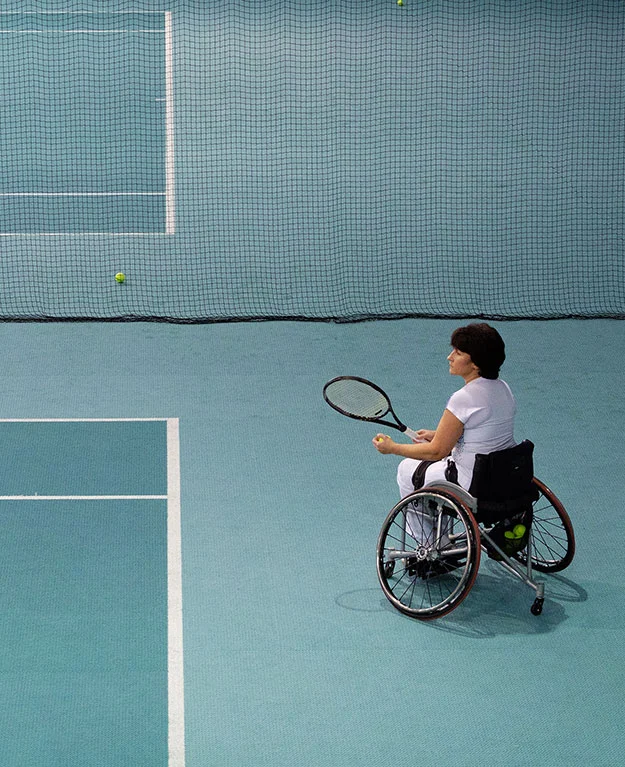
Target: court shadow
[362,601]
[496,605]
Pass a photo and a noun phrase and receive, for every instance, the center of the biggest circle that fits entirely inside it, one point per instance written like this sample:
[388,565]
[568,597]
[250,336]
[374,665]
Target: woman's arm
[448,432]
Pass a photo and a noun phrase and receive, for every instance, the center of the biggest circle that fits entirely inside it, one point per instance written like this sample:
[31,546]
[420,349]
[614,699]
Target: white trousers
[407,468]
[419,524]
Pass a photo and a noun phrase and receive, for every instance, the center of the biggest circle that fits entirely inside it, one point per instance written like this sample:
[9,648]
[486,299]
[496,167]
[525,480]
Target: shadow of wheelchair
[496,606]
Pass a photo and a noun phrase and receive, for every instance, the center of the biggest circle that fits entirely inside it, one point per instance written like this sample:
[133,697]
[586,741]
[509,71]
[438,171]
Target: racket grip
[413,435]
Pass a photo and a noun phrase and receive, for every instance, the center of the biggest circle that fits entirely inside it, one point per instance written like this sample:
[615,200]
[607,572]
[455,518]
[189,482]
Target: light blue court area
[87,598]
[85,102]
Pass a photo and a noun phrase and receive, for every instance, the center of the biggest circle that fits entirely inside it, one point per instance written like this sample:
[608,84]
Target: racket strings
[358,398]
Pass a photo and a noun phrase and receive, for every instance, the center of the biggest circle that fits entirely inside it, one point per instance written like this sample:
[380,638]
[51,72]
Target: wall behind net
[329,159]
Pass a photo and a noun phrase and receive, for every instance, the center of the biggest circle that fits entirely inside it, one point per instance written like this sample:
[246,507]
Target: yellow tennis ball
[518,531]
[120,277]
[400,2]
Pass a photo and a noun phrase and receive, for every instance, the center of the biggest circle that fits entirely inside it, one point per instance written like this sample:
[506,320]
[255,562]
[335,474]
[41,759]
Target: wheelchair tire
[426,573]
[552,539]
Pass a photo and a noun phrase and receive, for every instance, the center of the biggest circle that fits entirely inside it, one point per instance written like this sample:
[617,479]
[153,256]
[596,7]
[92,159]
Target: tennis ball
[518,531]
[120,277]
[400,2]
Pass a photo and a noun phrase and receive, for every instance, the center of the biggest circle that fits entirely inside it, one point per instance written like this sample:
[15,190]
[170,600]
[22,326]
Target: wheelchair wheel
[428,553]
[552,540]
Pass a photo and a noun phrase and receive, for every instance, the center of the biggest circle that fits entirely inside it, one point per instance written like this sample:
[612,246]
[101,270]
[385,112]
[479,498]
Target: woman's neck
[471,377]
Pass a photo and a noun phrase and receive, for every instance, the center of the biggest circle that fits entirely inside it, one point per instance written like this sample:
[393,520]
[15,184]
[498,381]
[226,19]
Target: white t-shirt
[486,408]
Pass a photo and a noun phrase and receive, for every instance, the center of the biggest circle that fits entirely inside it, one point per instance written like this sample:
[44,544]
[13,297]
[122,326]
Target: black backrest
[502,481]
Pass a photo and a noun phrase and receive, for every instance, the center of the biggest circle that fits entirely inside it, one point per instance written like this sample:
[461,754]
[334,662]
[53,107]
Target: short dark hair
[483,344]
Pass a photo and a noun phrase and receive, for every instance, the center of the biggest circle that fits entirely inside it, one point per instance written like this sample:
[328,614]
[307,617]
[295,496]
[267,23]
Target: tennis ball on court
[120,277]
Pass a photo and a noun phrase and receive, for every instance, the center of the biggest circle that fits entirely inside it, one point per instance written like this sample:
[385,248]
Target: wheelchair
[430,545]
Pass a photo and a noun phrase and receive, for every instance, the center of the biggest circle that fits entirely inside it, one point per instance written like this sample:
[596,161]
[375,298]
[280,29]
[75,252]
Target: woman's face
[461,364]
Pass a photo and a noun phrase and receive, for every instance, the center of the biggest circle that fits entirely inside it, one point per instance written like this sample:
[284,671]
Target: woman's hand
[384,444]
[425,435]
[430,445]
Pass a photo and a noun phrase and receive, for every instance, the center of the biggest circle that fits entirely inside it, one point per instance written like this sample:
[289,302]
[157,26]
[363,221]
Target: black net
[313,159]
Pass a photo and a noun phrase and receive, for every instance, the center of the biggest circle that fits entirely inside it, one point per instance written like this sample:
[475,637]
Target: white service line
[83,497]
[82,194]
[170,210]
[79,420]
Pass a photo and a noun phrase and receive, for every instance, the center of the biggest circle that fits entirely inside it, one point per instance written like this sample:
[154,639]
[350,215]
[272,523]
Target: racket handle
[413,435]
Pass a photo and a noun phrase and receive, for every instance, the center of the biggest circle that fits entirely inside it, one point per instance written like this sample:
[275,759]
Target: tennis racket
[360,399]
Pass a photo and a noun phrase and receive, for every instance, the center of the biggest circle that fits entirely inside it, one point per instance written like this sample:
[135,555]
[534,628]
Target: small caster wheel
[389,568]
[537,607]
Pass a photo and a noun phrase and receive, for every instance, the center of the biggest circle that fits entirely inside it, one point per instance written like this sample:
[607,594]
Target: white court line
[82,194]
[83,497]
[79,420]
[84,234]
[81,31]
[170,211]
[80,13]
[175,661]
[175,664]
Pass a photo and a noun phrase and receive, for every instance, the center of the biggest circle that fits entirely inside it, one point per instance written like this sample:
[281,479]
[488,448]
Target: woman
[479,417]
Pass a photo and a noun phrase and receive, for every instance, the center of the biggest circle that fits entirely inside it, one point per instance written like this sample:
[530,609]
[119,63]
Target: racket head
[358,398]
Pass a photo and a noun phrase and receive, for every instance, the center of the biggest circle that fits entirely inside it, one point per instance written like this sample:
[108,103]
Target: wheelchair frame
[436,573]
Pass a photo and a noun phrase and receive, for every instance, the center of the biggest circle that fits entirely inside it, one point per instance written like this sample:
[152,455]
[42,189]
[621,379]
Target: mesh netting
[313,159]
